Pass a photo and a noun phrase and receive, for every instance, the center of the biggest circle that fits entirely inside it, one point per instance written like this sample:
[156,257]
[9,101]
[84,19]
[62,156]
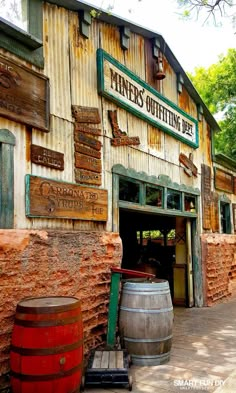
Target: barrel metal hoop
[51,322]
[147,340]
[153,293]
[46,351]
[46,377]
[146,311]
[163,355]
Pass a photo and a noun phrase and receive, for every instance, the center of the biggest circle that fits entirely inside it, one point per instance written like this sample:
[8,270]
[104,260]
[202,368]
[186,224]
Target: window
[21,29]
[173,200]
[128,191]
[190,203]
[154,196]
[225,217]
[15,11]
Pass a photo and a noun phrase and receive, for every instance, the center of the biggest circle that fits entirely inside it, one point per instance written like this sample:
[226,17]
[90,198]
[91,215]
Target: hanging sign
[119,84]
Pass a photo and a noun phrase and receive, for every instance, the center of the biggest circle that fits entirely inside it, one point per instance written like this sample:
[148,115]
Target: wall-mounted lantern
[159,73]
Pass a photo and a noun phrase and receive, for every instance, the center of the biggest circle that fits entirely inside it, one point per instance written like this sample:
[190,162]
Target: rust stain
[167,68]
[28,137]
[154,138]
[184,101]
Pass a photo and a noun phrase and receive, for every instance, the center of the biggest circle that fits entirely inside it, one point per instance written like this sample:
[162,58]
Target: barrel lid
[149,284]
[47,304]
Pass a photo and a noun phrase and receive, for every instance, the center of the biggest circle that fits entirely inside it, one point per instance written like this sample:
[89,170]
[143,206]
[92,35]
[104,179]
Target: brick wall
[44,263]
[219,266]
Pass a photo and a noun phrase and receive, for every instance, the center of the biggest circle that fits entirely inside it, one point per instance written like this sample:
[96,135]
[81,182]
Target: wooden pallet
[107,368]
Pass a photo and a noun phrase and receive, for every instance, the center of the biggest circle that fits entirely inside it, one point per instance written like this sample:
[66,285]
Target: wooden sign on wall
[88,165]
[215,212]
[224,181]
[24,95]
[206,196]
[50,158]
[56,199]
[189,167]
[234,216]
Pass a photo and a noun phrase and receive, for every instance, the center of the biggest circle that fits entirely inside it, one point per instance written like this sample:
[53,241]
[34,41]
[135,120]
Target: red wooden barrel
[47,346]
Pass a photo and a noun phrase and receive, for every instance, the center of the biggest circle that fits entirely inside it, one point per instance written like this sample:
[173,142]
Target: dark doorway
[148,243]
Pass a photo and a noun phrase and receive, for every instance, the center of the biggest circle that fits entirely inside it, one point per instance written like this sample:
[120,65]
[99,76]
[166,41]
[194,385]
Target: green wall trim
[7,142]
[26,45]
[161,180]
[113,309]
[103,56]
[224,198]
[155,210]
[225,161]
[7,137]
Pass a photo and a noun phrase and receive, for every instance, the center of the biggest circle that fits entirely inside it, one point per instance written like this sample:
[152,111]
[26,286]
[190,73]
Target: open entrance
[159,244]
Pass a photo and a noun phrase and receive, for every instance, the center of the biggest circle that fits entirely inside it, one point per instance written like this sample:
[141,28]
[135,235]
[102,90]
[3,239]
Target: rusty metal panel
[110,41]
[150,66]
[169,84]
[187,104]
[134,56]
[83,63]
[60,139]
[56,54]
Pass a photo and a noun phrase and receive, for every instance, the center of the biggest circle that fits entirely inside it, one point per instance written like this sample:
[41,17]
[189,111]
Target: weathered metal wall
[70,64]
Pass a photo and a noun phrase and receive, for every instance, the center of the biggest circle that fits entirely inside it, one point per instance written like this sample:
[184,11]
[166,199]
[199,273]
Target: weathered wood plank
[55,199]
[215,212]
[46,157]
[20,103]
[87,150]
[87,140]
[85,128]
[234,215]
[85,162]
[206,196]
[105,359]
[224,181]
[119,359]
[112,359]
[97,359]
[86,114]
[190,168]
[87,177]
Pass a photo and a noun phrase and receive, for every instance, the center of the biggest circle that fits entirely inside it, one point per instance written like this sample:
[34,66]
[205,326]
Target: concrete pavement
[203,355]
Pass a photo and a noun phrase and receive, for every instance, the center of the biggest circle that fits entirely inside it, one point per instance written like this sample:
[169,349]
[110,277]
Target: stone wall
[44,263]
[219,266]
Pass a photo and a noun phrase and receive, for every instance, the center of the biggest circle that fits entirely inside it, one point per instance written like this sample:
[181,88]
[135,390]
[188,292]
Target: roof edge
[76,5]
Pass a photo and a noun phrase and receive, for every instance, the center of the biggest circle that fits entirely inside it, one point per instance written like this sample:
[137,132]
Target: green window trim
[26,45]
[7,142]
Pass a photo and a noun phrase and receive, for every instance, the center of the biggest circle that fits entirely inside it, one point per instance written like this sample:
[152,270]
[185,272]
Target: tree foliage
[217,87]
[215,9]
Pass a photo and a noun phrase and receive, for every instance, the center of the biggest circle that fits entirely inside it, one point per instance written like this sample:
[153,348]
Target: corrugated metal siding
[83,64]
[56,52]
[134,56]
[187,104]
[60,138]
[70,63]
[169,88]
